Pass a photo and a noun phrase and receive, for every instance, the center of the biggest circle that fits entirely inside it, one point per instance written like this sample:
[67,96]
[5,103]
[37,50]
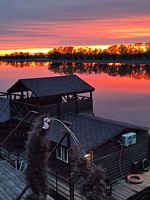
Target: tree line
[113,52]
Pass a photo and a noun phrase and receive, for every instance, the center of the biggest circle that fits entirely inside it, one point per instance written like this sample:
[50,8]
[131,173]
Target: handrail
[4,94]
[10,94]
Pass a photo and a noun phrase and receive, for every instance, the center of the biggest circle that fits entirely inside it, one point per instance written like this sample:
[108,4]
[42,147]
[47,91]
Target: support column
[27,94]
[71,184]
[76,103]
[91,99]
[58,108]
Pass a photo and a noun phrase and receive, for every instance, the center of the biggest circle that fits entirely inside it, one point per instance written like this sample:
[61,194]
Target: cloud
[48,10]
[67,22]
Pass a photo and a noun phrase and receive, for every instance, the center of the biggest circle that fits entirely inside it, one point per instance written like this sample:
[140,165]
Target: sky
[50,23]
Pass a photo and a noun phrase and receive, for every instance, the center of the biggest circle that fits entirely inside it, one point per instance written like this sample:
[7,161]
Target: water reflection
[137,71]
[122,91]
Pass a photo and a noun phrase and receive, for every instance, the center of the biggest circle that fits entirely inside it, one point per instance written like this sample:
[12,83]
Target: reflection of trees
[21,64]
[137,71]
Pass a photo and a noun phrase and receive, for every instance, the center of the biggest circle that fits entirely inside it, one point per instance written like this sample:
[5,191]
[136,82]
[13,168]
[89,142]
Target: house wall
[17,140]
[113,159]
[57,166]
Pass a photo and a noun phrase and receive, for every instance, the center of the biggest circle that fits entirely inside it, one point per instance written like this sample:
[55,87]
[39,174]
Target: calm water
[122,92]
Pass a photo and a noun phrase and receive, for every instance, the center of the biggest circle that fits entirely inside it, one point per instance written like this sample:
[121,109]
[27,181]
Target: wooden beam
[27,94]
[58,107]
[71,184]
[91,98]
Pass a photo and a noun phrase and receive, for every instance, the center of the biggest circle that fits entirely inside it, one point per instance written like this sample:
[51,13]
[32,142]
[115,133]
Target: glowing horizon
[46,50]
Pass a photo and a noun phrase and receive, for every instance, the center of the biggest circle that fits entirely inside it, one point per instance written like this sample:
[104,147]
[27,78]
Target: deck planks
[125,190]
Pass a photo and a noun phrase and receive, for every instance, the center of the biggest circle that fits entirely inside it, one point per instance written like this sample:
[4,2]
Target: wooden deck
[60,186]
[129,191]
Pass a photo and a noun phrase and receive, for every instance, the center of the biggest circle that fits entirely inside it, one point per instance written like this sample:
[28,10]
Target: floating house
[121,148]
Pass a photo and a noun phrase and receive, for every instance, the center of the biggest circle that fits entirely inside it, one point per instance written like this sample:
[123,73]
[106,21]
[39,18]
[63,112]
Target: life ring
[135,178]
[145,165]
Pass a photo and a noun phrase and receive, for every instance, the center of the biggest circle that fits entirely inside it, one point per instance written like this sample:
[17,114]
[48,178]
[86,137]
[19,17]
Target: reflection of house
[104,140]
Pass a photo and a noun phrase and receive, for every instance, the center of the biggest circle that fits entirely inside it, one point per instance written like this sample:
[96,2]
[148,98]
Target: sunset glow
[41,26]
[46,50]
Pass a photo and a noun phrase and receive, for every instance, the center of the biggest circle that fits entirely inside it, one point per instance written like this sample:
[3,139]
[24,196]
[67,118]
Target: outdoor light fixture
[89,156]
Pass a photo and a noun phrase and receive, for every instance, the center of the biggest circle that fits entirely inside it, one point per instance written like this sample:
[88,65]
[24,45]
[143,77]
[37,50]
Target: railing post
[71,186]
[91,99]
[76,103]
[56,182]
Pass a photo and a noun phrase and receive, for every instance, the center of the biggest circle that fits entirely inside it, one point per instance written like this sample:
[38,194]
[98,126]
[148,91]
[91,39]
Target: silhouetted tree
[89,178]
[37,152]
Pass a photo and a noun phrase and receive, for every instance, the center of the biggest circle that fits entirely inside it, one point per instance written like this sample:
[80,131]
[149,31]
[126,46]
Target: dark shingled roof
[51,86]
[4,110]
[90,131]
[12,183]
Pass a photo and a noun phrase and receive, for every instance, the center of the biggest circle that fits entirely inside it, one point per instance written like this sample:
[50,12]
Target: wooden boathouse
[53,95]
[103,139]
[119,147]
[28,97]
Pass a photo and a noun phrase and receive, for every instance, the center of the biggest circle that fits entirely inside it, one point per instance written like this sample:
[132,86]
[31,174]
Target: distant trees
[115,52]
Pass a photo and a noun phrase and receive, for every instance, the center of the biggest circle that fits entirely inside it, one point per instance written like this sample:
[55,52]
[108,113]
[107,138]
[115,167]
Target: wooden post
[76,103]
[91,99]
[71,184]
[56,183]
[58,107]
[27,94]
[21,95]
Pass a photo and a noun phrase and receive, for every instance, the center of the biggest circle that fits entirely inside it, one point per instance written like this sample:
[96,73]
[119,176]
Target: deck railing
[10,96]
[84,104]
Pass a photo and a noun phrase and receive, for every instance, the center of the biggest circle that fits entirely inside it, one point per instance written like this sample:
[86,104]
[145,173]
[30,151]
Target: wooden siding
[59,166]
[108,156]
[17,140]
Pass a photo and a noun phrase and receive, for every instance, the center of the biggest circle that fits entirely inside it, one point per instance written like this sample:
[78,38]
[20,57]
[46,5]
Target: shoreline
[74,61]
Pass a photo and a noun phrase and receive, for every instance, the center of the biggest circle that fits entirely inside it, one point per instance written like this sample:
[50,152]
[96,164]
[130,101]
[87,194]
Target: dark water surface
[122,91]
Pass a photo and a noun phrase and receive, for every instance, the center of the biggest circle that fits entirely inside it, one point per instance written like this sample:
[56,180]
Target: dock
[129,191]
